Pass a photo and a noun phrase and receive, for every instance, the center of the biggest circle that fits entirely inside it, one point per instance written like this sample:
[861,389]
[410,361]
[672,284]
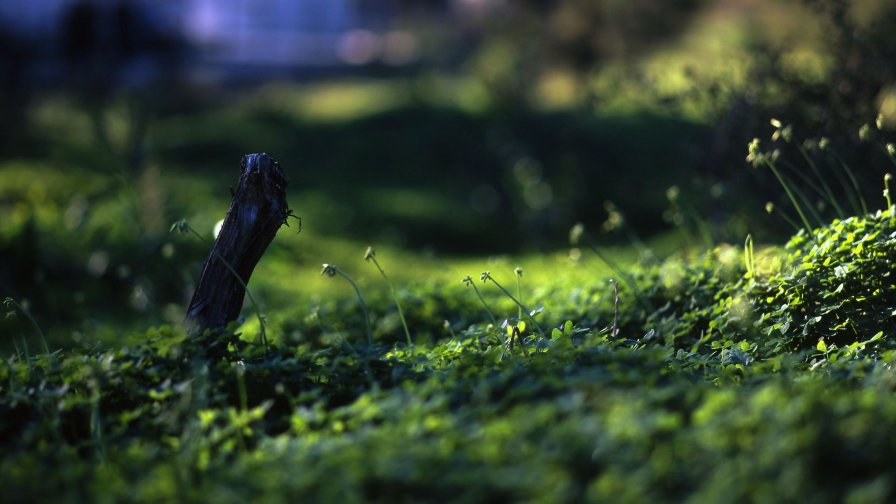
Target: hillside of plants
[662,271]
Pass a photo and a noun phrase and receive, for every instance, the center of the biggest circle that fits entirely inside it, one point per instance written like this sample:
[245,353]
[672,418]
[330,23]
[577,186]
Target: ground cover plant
[734,375]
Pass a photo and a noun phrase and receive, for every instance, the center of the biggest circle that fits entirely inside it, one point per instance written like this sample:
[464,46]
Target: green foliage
[839,283]
[768,386]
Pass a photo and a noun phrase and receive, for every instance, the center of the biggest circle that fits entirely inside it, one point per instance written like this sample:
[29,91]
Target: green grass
[772,386]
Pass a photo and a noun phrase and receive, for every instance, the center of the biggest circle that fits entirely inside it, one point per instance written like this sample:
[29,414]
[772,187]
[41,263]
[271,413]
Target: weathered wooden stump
[257,210]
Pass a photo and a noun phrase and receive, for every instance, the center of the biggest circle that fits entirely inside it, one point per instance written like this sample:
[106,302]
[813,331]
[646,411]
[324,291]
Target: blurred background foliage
[436,130]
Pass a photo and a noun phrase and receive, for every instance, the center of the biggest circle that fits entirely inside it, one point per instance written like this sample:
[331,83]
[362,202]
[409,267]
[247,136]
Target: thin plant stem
[790,195]
[264,338]
[887,178]
[615,329]
[371,256]
[11,303]
[519,291]
[852,180]
[487,276]
[469,281]
[850,194]
[824,184]
[855,185]
[887,190]
[814,213]
[331,270]
[515,333]
[793,224]
[807,201]
[805,179]
[23,351]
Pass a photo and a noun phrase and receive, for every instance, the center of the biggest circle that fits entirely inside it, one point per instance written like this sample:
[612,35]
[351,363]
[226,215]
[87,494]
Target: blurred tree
[525,41]
[15,92]
[117,51]
[862,42]
[857,45]
[860,46]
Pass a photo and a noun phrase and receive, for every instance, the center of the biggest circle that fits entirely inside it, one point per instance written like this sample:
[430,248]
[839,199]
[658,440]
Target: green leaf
[876,337]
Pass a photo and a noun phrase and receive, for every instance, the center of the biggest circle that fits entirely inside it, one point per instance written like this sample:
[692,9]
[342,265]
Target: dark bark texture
[257,210]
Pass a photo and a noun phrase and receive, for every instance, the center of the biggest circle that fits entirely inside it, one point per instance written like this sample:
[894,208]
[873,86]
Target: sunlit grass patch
[333,100]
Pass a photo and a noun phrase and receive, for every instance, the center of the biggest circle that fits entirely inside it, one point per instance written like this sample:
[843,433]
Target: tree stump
[257,210]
